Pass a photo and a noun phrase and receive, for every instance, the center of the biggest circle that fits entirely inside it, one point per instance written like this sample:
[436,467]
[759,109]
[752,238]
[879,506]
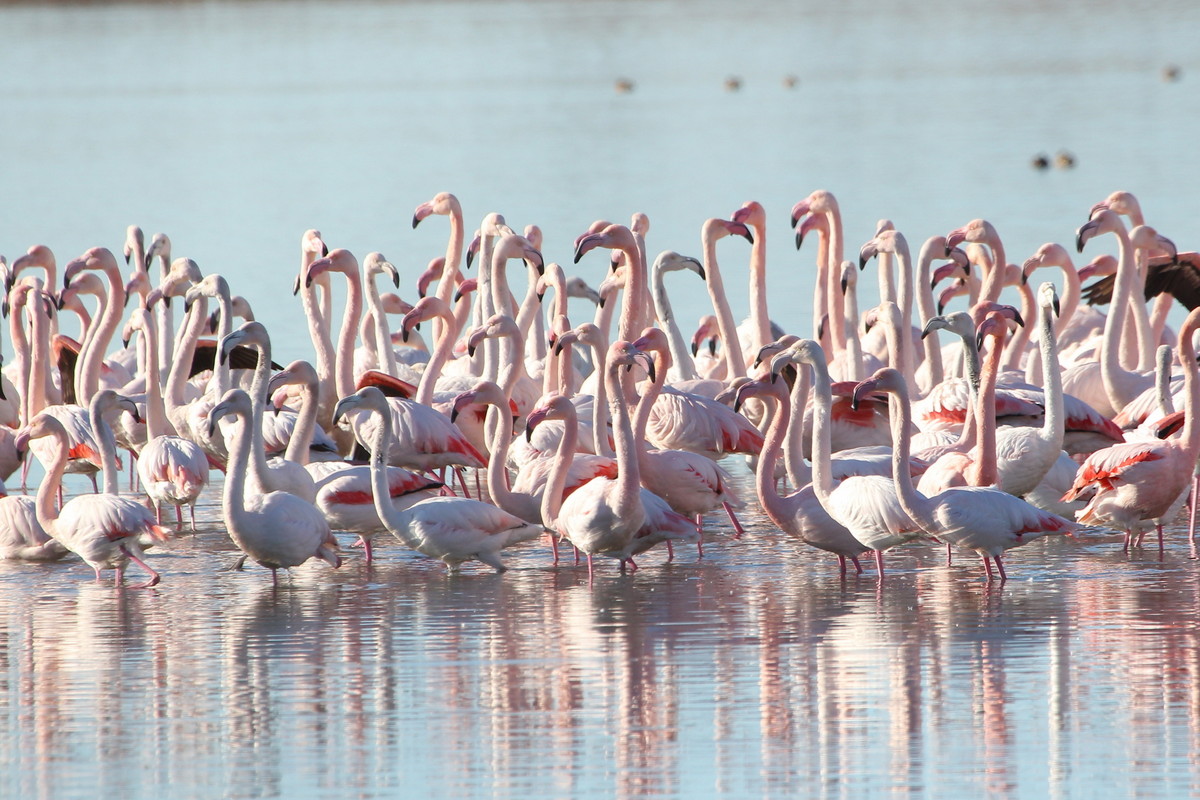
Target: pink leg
[879,563]
[737,526]
[987,564]
[633,567]
[178,516]
[842,565]
[1159,528]
[554,546]
[25,479]
[949,554]
[700,535]
[576,549]
[154,576]
[158,514]
[1128,540]
[670,552]
[857,566]
[192,511]
[1000,566]
[462,481]
[1192,514]
[95,486]
[591,574]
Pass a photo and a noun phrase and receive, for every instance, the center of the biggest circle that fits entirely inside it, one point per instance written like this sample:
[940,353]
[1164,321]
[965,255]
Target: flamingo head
[433,271]
[253,334]
[235,403]
[885,380]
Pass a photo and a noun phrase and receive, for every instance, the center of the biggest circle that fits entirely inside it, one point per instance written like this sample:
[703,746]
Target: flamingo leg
[157,514]
[590,571]
[949,555]
[1000,567]
[670,552]
[154,576]
[737,526]
[1159,528]
[879,563]
[192,511]
[95,485]
[462,481]
[1192,510]
[987,565]
[842,565]
[857,566]
[700,535]
[178,516]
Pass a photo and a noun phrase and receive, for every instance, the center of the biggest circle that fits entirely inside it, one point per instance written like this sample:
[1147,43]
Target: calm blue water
[755,672]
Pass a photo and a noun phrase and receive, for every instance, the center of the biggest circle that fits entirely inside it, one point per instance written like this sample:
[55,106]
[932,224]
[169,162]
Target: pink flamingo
[1136,483]
[984,519]
[800,513]
[278,530]
[102,529]
[452,529]
[173,470]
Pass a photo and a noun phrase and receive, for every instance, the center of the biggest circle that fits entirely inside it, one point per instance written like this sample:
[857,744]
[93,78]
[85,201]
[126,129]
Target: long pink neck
[1015,349]
[927,308]
[600,441]
[629,481]
[834,286]
[993,280]
[47,495]
[156,409]
[556,481]
[344,380]
[716,291]
[798,470]
[109,321]
[823,321]
[915,504]
[634,302]
[759,318]
[378,336]
[1191,384]
[450,270]
[299,445]
[184,352]
[1116,378]
[497,473]
[983,470]
[764,477]
[446,334]
[318,330]
[39,331]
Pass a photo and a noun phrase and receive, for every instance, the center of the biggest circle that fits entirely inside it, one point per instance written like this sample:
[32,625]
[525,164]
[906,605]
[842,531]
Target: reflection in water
[754,672]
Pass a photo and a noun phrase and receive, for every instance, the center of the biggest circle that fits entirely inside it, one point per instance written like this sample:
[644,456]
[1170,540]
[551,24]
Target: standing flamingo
[984,519]
[452,529]
[102,529]
[278,529]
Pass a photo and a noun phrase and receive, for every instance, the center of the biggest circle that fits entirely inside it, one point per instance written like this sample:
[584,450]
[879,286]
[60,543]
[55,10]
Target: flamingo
[22,537]
[984,519]
[173,470]
[452,529]
[1138,483]
[278,530]
[102,529]
[800,513]
[602,516]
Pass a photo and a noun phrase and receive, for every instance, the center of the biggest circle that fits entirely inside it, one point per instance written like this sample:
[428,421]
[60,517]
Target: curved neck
[442,348]
[915,504]
[834,287]
[993,278]
[1053,425]
[380,334]
[109,321]
[764,476]
[26,363]
[47,494]
[760,321]
[233,495]
[259,389]
[87,336]
[182,364]
[1017,345]
[905,301]
[683,368]
[716,291]
[628,481]
[601,443]
[451,267]
[798,470]
[634,302]
[323,355]
[983,470]
[39,332]
[556,481]
[500,424]
[823,320]
[927,309]
[1190,438]
[1114,375]
[344,379]
[306,425]
[1141,317]
[396,521]
[822,468]
[156,410]
[108,452]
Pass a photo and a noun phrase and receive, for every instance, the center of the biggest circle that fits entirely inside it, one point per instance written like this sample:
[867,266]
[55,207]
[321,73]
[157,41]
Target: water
[753,672]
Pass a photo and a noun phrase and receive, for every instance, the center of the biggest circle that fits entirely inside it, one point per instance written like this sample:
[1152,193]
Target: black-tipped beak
[799,239]
[296,286]
[416,221]
[1054,305]
[712,347]
[125,342]
[695,348]
[454,414]
[1017,317]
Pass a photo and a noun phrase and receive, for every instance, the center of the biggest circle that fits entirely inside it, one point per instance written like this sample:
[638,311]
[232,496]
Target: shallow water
[753,672]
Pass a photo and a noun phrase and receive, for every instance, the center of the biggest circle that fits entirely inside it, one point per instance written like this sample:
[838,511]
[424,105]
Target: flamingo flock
[1037,415]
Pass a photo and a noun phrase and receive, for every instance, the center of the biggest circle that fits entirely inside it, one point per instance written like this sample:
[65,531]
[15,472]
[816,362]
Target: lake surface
[755,671]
